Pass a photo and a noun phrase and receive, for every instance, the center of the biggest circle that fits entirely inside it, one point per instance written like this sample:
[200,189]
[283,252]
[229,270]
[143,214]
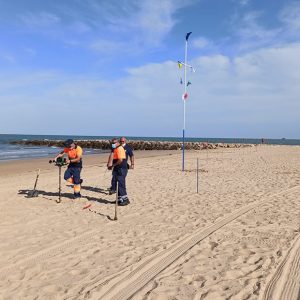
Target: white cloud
[244,2]
[290,16]
[250,27]
[8,57]
[251,32]
[38,20]
[256,94]
[200,42]
[144,23]
[155,21]
[106,46]
[80,27]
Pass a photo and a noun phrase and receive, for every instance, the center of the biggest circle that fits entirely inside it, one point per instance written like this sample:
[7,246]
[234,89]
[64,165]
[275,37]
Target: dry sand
[239,238]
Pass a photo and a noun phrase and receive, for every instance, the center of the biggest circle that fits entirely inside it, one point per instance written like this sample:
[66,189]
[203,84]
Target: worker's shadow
[99,200]
[63,195]
[95,189]
[44,193]
[102,215]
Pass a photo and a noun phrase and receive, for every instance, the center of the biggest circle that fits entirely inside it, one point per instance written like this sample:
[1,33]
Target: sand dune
[236,239]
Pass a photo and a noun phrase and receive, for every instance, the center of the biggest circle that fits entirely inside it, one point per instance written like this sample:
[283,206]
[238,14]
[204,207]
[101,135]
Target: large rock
[136,145]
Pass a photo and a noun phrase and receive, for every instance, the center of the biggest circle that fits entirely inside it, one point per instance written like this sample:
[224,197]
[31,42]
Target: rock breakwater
[136,145]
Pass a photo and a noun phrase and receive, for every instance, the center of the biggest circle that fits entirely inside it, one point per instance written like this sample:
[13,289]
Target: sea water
[13,151]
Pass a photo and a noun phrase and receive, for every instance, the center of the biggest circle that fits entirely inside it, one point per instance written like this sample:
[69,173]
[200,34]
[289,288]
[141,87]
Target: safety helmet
[68,142]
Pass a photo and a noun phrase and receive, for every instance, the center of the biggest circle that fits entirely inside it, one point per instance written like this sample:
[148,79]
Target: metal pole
[183,150]
[59,185]
[207,149]
[197,175]
[185,95]
[185,89]
[116,206]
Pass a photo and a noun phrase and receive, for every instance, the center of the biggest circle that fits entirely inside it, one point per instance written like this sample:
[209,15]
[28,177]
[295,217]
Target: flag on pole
[181,64]
[185,96]
[187,36]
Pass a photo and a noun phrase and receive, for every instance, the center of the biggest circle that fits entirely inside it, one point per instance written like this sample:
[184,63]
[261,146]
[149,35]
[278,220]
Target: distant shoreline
[23,147]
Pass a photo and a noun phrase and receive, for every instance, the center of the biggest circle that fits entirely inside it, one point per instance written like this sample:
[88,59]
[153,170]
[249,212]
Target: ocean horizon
[10,151]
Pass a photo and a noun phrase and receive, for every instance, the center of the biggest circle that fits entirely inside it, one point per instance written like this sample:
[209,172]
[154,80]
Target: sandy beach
[238,238]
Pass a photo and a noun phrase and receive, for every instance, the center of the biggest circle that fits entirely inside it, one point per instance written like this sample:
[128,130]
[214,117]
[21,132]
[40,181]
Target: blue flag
[187,35]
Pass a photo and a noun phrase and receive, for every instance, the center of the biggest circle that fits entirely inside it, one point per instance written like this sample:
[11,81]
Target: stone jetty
[136,145]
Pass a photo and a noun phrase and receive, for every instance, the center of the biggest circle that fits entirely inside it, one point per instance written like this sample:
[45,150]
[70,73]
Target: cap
[68,143]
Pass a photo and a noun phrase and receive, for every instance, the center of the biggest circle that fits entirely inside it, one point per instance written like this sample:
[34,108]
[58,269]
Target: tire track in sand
[124,287]
[285,283]
[45,253]
[55,249]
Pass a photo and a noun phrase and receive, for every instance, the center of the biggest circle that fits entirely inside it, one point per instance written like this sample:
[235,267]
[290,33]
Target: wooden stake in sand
[116,206]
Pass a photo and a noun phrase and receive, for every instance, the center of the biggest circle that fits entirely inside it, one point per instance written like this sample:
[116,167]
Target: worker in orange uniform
[118,165]
[74,161]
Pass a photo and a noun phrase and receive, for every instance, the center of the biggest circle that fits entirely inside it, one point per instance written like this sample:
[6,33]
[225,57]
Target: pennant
[187,36]
[188,83]
[181,64]
[185,96]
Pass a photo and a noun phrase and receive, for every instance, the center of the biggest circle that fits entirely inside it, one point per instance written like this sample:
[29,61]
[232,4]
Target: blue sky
[109,67]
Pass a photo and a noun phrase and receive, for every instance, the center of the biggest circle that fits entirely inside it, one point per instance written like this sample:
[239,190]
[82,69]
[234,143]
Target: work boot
[122,201]
[77,195]
[110,192]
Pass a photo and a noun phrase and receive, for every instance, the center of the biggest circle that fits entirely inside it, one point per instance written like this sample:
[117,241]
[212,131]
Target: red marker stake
[87,206]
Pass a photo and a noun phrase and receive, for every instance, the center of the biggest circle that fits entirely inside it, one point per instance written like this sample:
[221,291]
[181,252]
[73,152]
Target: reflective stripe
[76,188]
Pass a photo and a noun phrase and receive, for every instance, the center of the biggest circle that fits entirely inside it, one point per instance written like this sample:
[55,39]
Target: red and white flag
[185,96]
